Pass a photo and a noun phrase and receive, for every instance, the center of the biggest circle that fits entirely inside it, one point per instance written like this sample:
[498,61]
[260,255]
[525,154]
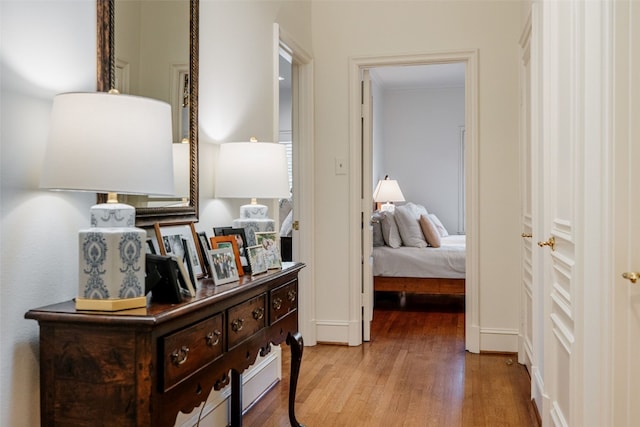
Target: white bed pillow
[409,227]
[420,210]
[436,221]
[390,232]
[431,234]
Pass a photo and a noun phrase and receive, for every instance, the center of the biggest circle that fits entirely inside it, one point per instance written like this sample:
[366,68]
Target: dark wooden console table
[141,367]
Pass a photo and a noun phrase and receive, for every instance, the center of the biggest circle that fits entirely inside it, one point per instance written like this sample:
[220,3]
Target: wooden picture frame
[270,242]
[218,242]
[241,240]
[169,237]
[223,266]
[257,260]
[204,249]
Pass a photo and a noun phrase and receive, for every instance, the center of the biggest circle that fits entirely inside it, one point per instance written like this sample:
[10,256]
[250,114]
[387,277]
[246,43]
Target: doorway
[361,161]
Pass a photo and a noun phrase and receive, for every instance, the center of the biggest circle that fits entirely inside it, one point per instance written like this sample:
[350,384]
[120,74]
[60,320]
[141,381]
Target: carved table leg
[236,398]
[297,346]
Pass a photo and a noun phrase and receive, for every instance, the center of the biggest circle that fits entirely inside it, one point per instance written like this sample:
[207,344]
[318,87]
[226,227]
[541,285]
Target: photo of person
[241,240]
[218,242]
[269,242]
[172,240]
[223,265]
[257,259]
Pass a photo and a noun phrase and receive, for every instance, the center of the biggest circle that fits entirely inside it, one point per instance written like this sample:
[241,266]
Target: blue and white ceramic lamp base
[253,218]
[111,260]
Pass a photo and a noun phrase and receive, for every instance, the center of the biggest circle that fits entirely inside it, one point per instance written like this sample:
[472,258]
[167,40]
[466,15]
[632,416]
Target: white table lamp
[387,191]
[110,143]
[252,170]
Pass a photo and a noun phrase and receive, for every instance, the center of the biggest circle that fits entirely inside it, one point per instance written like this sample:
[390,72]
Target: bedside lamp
[386,192]
[110,143]
[252,170]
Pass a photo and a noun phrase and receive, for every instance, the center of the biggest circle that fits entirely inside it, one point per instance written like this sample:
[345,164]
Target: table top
[207,293]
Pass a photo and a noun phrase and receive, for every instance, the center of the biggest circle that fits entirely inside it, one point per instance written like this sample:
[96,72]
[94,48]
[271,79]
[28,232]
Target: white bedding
[447,261]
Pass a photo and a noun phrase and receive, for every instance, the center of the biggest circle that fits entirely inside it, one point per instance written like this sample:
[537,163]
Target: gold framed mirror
[185,208]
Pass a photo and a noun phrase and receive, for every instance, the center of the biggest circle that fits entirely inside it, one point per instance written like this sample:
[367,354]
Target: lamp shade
[388,190]
[252,170]
[106,142]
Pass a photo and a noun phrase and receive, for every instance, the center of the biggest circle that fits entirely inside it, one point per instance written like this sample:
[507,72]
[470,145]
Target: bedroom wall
[347,29]
[421,140]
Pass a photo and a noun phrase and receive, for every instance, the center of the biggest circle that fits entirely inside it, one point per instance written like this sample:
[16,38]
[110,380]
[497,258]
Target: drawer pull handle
[258,313]
[236,325]
[213,338]
[291,295]
[277,304]
[178,357]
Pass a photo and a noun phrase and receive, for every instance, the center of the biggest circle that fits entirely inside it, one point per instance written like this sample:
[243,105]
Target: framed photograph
[223,265]
[162,279]
[257,260]
[170,237]
[218,242]
[151,249]
[219,231]
[241,241]
[269,241]
[204,249]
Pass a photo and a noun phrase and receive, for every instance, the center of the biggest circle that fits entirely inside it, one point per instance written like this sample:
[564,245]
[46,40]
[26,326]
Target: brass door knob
[551,243]
[632,276]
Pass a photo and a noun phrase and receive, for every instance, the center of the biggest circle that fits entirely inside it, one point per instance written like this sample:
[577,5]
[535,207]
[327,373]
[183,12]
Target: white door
[625,365]
[525,339]
[558,181]
[366,197]
[572,102]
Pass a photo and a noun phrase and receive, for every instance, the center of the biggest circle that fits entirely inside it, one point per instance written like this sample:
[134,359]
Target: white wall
[421,139]
[343,30]
[236,85]
[47,48]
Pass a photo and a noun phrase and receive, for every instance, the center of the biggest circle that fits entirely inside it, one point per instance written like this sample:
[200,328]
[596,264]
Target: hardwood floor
[414,372]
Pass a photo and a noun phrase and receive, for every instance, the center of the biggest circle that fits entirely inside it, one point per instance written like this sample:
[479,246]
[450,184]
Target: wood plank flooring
[414,372]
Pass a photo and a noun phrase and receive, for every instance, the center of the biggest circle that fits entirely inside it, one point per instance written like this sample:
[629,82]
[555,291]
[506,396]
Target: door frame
[303,184]
[356,64]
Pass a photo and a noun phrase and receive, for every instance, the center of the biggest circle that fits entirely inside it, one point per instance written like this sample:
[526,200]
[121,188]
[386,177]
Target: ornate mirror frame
[106,80]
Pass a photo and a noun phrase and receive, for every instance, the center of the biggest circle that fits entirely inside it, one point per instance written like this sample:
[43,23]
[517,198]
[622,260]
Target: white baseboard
[472,338]
[332,332]
[499,340]
[256,381]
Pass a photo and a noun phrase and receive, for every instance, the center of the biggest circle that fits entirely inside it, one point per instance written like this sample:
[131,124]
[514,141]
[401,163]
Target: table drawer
[244,320]
[189,349]
[283,301]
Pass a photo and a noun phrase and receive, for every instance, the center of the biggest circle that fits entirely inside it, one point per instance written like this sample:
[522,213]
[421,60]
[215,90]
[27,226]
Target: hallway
[414,372]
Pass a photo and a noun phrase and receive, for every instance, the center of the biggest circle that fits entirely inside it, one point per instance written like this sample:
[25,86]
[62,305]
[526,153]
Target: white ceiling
[419,76]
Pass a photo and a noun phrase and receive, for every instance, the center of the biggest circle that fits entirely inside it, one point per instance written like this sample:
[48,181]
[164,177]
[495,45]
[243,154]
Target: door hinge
[295,225]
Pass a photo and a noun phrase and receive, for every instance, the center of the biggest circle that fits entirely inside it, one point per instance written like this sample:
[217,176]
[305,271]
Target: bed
[422,260]
[421,270]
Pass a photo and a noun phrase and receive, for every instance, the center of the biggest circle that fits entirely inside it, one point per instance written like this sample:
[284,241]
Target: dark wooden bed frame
[419,285]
